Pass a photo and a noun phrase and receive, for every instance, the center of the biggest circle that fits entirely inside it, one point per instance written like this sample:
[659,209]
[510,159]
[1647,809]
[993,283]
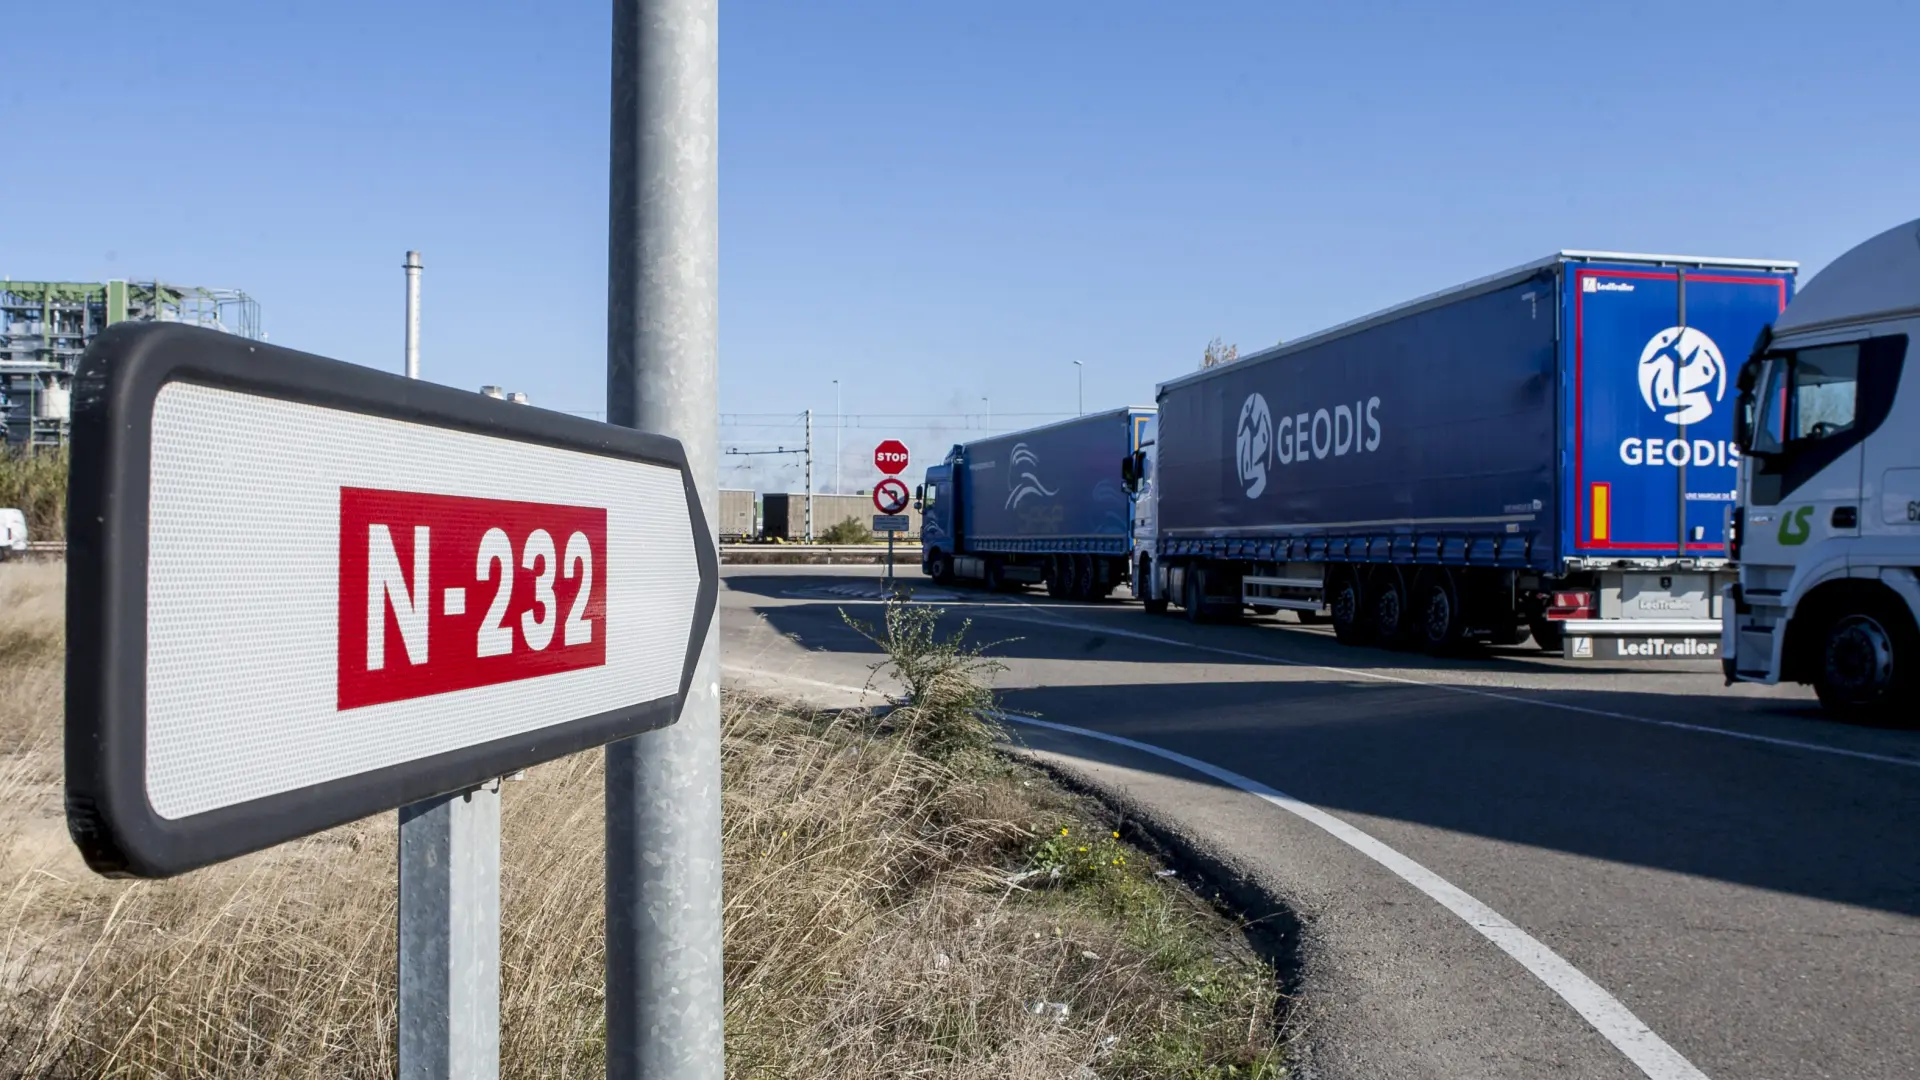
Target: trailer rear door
[1655,353]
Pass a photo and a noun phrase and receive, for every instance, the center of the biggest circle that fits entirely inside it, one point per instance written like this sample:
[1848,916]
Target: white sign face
[303,591]
[557,585]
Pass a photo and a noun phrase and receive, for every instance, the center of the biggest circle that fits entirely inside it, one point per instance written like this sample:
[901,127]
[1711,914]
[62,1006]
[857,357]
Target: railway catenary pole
[664,990]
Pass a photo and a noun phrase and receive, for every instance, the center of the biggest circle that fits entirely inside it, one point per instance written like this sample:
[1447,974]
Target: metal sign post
[301,592]
[890,497]
[665,1010]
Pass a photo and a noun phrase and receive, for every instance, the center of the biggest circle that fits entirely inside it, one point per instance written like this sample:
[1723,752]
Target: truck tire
[1865,670]
[1548,634]
[1194,603]
[1143,588]
[1393,618]
[1086,581]
[1349,603]
[940,567]
[1057,577]
[995,579]
[1437,622]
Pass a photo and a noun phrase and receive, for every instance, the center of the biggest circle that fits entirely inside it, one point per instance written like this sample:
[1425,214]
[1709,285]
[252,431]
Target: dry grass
[36,485]
[888,914]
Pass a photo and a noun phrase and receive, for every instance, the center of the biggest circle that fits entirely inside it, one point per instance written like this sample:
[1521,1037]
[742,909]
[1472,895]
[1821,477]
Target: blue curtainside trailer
[1545,452]
[1046,505]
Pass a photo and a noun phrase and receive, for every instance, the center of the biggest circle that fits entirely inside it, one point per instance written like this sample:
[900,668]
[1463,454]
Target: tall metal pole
[836,438]
[1080,379]
[664,990]
[809,460]
[988,402]
[412,266]
[449,918]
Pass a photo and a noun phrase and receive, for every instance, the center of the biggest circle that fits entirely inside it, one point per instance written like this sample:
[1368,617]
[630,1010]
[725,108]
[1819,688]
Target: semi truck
[1826,530]
[1042,506]
[1546,452]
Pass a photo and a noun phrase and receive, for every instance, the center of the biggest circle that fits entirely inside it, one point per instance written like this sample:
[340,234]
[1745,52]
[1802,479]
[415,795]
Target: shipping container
[1046,505]
[737,513]
[1548,445]
[784,516]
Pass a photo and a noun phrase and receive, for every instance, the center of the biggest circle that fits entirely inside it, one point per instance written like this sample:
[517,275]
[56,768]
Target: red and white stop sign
[890,457]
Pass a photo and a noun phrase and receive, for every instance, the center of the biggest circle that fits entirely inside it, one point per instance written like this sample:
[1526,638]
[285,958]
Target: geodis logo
[1682,376]
[1260,444]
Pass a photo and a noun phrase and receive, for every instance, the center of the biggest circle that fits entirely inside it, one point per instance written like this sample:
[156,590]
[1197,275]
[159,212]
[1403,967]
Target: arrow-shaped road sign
[302,591]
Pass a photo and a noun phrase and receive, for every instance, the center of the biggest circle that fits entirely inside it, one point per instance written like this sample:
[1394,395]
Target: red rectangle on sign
[506,591]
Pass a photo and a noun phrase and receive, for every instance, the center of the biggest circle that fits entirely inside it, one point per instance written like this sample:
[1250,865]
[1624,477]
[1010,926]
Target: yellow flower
[1116,836]
[1063,830]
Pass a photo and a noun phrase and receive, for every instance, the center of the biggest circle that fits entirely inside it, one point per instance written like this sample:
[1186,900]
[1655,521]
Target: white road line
[1473,691]
[1608,1016]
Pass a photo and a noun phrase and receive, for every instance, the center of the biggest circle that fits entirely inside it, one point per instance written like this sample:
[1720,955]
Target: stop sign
[890,457]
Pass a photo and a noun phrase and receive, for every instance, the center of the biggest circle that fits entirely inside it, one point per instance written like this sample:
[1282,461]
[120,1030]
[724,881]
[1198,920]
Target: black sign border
[108,813]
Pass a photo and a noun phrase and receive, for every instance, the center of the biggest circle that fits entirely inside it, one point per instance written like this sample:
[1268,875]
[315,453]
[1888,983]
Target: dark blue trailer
[1046,505]
[1547,451]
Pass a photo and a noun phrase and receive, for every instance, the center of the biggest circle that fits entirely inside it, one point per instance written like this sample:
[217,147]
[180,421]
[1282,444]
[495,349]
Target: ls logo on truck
[1794,529]
[1252,442]
[1676,369]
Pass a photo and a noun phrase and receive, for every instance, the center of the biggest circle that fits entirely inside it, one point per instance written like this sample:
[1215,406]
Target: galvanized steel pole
[412,266]
[664,989]
[449,909]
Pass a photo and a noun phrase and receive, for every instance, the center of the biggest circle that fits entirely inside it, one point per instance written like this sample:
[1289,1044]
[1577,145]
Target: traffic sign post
[890,495]
[302,591]
[890,457]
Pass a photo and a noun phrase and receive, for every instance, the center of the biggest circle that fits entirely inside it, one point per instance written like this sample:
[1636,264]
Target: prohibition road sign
[302,592]
[890,457]
[890,495]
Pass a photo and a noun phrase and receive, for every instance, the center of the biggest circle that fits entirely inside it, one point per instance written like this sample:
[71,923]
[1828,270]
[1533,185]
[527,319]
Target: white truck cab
[1826,527]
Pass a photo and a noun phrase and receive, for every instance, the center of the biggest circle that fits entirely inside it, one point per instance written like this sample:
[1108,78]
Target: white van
[13,534]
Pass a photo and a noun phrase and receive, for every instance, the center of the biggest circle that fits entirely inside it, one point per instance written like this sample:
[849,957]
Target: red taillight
[1571,605]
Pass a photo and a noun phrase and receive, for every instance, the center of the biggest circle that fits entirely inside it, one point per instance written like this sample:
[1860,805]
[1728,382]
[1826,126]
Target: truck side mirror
[1127,475]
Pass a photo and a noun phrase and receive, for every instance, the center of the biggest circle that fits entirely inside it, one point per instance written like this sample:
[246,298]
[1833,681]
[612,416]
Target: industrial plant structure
[45,327]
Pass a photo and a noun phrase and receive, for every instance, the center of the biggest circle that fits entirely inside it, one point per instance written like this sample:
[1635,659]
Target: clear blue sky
[938,202]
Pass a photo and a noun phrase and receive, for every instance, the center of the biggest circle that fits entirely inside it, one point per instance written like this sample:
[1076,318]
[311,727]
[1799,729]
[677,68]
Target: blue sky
[938,203]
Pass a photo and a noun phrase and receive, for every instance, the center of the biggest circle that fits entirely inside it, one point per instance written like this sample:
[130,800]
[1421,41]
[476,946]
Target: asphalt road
[1501,866]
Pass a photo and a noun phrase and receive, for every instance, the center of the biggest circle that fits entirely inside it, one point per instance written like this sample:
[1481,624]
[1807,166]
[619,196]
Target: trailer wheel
[1393,618]
[1350,623]
[1086,581]
[1548,634]
[1057,575]
[995,578]
[1143,588]
[1866,666]
[1439,625]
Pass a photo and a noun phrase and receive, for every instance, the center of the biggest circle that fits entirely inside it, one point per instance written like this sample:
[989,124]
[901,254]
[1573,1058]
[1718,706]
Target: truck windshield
[1807,395]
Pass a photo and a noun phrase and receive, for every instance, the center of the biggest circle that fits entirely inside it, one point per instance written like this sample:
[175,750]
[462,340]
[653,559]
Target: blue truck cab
[1042,506]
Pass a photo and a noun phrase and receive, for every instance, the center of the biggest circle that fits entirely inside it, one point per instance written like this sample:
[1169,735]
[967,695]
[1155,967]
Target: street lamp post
[1080,378]
[988,402]
[836,436]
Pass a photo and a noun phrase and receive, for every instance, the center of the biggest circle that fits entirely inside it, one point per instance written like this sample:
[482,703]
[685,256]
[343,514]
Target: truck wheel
[1194,602]
[1086,584]
[1057,584]
[1439,626]
[995,579]
[1143,588]
[1866,666]
[1548,634]
[1350,623]
[940,567]
[1393,618]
